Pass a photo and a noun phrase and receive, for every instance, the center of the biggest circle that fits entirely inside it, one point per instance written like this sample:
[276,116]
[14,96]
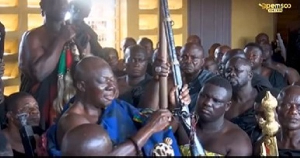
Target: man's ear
[81,86]
[250,75]
[9,115]
[228,105]
[202,62]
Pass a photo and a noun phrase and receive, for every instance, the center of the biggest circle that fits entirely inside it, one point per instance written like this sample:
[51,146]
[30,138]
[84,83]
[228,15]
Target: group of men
[82,100]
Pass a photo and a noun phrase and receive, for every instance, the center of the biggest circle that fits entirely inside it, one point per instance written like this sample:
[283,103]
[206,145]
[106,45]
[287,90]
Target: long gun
[183,111]
[27,136]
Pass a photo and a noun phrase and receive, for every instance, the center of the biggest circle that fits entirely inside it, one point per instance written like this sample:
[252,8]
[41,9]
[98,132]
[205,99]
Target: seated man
[128,128]
[218,135]
[254,53]
[238,72]
[86,140]
[260,83]
[291,74]
[289,120]
[133,86]
[19,103]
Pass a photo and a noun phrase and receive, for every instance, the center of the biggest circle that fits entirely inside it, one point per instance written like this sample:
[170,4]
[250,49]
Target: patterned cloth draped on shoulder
[121,121]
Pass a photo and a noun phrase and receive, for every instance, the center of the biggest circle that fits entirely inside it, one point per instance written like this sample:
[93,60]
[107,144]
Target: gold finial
[269,125]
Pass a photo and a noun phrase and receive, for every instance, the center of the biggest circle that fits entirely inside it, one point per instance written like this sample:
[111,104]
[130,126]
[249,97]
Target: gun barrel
[196,147]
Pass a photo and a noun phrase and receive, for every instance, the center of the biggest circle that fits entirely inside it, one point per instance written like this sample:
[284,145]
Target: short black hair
[134,48]
[145,40]
[254,45]
[107,50]
[221,82]
[13,99]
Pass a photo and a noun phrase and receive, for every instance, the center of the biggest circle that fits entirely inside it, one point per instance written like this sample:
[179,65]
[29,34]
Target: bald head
[194,39]
[86,140]
[86,68]
[288,91]
[220,51]
[192,47]
[233,53]
[288,108]
[211,51]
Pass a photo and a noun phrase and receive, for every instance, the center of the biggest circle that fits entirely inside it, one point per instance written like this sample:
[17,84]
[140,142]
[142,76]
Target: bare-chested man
[86,140]
[80,9]
[39,55]
[218,135]
[238,72]
[263,38]
[288,112]
[291,74]
[95,103]
[254,53]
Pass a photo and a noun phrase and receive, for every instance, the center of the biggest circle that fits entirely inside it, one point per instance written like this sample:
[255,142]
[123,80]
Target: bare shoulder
[70,119]
[236,132]
[239,143]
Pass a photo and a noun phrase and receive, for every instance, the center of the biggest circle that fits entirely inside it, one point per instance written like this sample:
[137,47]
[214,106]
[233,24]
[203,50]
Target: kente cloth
[121,121]
[260,83]
[277,80]
[289,152]
[185,151]
[133,96]
[44,92]
[196,85]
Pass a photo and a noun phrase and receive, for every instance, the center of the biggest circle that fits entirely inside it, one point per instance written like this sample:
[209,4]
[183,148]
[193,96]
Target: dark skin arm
[242,147]
[68,122]
[158,121]
[40,61]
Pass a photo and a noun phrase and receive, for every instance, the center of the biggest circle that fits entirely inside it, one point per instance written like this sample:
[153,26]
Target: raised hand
[67,32]
[184,97]
[160,68]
